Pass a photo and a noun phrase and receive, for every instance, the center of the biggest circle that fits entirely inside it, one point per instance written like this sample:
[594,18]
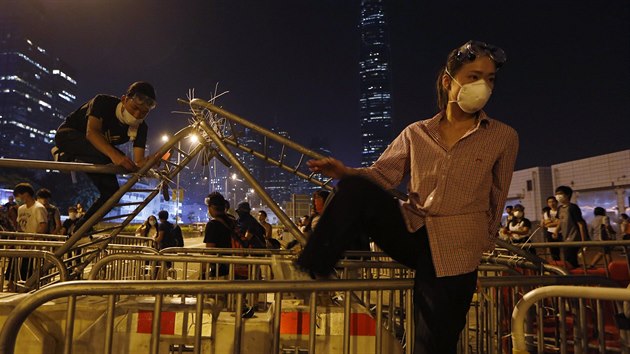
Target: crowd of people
[27,206]
[458,165]
[562,220]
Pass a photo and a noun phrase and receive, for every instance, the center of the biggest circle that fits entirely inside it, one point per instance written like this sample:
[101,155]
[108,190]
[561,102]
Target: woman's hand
[330,167]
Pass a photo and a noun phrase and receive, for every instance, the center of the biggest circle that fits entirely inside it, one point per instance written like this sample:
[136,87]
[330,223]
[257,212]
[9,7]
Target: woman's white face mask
[472,97]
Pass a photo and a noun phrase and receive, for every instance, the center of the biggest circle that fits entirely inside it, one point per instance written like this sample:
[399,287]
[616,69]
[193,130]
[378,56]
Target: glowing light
[164,138]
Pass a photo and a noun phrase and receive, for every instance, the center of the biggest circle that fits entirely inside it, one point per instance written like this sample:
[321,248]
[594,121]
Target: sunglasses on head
[473,49]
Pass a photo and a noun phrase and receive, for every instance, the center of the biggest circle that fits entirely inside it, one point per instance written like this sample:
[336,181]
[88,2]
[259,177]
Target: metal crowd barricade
[488,327]
[227,251]
[199,289]
[19,264]
[134,241]
[534,302]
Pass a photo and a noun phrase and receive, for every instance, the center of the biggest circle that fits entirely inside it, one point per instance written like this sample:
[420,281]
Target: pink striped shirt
[458,193]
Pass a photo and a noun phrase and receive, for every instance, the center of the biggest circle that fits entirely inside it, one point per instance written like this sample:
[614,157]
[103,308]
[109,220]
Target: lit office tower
[37,91]
[375,101]
[277,180]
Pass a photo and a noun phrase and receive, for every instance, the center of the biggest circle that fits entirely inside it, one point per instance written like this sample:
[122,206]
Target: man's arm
[138,156]
[160,236]
[41,216]
[582,228]
[57,229]
[94,134]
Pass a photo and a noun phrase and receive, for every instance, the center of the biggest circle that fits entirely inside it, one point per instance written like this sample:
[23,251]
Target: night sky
[294,63]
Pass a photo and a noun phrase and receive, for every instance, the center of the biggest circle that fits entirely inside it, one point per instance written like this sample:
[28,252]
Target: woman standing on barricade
[460,164]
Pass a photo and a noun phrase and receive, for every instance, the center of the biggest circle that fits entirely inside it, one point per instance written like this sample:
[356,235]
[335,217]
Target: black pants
[571,256]
[75,144]
[555,251]
[362,207]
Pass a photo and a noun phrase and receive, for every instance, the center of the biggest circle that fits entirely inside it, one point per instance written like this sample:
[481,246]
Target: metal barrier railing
[134,241]
[10,235]
[199,289]
[559,294]
[228,267]
[227,251]
[488,326]
[18,264]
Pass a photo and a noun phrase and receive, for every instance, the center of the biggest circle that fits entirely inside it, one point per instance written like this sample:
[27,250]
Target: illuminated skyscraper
[375,101]
[37,91]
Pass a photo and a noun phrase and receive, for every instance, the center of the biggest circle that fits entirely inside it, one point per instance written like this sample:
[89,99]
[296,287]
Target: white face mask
[127,118]
[518,214]
[472,97]
[560,198]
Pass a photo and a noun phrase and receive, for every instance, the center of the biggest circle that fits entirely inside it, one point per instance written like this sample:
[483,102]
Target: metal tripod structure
[218,131]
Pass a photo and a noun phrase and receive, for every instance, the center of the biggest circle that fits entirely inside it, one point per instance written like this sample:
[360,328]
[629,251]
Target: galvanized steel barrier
[134,241]
[18,264]
[199,289]
[560,294]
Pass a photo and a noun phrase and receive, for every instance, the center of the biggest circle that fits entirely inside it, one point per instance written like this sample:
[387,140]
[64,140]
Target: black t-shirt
[217,233]
[247,223]
[104,107]
[168,240]
[67,224]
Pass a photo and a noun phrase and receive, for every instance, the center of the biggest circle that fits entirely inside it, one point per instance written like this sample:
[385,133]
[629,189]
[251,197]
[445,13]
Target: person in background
[32,217]
[54,216]
[165,237]
[80,210]
[10,215]
[319,200]
[262,219]
[251,233]
[599,229]
[519,229]
[11,202]
[508,211]
[459,164]
[624,226]
[68,225]
[549,223]
[149,227]
[67,228]
[220,230]
[572,225]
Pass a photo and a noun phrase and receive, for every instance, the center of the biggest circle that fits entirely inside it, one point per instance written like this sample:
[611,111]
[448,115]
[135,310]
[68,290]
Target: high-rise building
[375,101]
[277,180]
[37,91]
[321,146]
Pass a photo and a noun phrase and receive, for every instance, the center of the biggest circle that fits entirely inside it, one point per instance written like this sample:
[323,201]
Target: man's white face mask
[127,118]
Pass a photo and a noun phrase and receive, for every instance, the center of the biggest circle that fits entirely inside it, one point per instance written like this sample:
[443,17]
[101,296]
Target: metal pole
[252,182]
[62,166]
